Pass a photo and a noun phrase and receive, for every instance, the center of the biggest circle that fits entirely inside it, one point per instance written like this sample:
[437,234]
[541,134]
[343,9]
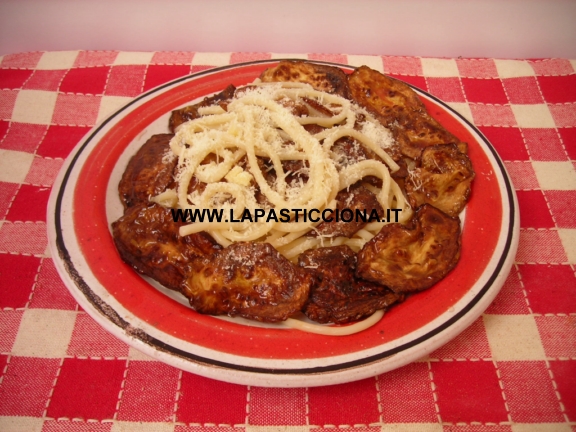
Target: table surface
[513,369]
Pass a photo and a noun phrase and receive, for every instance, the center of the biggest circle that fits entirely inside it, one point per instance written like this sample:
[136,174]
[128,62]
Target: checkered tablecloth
[514,369]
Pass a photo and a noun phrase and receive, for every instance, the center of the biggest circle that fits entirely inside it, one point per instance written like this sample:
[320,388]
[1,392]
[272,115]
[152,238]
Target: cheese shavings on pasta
[220,158]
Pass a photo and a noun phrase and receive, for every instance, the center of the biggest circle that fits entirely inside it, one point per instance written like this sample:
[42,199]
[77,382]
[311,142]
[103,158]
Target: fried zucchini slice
[337,295]
[247,279]
[147,239]
[443,179]
[324,78]
[399,108]
[148,173]
[415,256]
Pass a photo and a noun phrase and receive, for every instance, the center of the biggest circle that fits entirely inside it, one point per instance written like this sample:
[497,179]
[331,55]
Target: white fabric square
[126,426]
[513,337]
[44,333]
[211,59]
[110,104]
[373,62]
[541,427]
[134,354]
[533,116]
[133,58]
[281,56]
[555,175]
[568,239]
[54,60]
[14,165]
[21,423]
[439,67]
[34,106]
[513,68]
[463,109]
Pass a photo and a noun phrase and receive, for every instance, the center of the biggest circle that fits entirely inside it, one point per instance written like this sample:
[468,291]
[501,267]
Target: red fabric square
[562,207]
[558,89]
[86,80]
[469,391]
[23,137]
[208,428]
[447,89]
[265,404]
[334,58]
[477,68]
[540,247]
[507,141]
[568,136]
[487,91]
[416,81]
[565,377]
[21,60]
[13,78]
[402,65]
[126,80]
[529,392]
[29,376]
[23,238]
[50,292]
[240,57]
[9,323]
[76,109]
[557,335]
[522,175]
[149,392]
[406,395]
[534,211]
[199,68]
[511,298]
[349,428]
[492,115]
[552,67]
[43,171]
[87,389]
[4,125]
[7,101]
[160,74]
[18,276]
[95,58]
[196,390]
[91,340]
[60,140]
[472,343]
[30,204]
[7,194]
[45,80]
[172,57]
[75,426]
[344,404]
[544,145]
[550,288]
[564,115]
[523,90]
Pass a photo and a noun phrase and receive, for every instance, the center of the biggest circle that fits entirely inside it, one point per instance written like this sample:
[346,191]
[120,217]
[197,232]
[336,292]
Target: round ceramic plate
[158,322]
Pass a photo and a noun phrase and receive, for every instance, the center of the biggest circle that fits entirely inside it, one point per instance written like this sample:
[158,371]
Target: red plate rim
[481,234]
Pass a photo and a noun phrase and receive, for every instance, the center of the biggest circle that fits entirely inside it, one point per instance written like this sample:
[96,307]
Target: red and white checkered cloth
[514,369]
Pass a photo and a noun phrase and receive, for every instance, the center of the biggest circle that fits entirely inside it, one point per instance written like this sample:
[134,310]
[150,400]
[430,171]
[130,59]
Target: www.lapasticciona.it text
[284,215]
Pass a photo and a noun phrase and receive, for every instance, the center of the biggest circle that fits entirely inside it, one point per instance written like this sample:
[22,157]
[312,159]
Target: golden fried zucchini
[415,256]
[443,179]
[247,279]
